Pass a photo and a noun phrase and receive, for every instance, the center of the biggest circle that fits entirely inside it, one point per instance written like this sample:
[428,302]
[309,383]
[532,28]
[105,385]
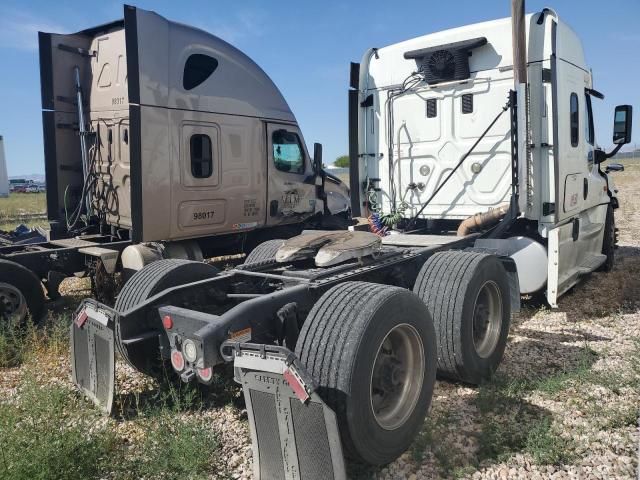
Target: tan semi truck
[161,141]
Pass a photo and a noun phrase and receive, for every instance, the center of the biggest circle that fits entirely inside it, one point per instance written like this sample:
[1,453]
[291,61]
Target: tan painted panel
[201,212]
[109,88]
[158,206]
[112,193]
[237,187]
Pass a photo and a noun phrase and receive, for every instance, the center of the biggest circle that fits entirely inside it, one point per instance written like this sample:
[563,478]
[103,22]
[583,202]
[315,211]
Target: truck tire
[609,241]
[372,350]
[264,253]
[144,284]
[467,294]
[20,293]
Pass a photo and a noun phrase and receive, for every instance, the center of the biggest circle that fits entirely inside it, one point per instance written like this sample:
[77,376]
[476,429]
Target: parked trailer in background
[161,141]
[337,336]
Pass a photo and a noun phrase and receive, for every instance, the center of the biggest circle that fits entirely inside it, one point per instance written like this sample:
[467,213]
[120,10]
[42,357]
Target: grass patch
[12,344]
[579,372]
[20,342]
[173,448]
[503,391]
[46,433]
[50,432]
[509,424]
[17,208]
[545,444]
[451,461]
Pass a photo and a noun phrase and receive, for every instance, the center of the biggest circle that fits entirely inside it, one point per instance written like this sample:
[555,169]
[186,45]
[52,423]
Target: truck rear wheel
[144,284]
[467,294]
[372,350]
[263,253]
[20,293]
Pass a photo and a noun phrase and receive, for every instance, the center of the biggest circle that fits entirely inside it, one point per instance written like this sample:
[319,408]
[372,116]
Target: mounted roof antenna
[518,41]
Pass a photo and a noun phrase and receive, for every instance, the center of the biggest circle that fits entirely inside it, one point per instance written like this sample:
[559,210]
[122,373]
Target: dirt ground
[564,403]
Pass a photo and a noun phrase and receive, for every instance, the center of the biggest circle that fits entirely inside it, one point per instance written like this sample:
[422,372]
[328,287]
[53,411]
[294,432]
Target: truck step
[72,243]
[591,263]
[406,240]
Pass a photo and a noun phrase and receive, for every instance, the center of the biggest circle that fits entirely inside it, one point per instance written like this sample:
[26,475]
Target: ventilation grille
[445,63]
[467,103]
[445,66]
[432,108]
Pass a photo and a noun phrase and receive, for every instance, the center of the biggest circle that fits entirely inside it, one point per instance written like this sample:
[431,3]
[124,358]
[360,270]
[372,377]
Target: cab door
[571,163]
[291,190]
[575,242]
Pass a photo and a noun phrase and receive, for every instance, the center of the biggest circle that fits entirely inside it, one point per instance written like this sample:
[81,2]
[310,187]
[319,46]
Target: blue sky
[306,48]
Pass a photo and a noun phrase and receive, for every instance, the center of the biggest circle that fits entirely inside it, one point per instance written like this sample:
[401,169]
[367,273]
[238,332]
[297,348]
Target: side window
[574,117]
[201,156]
[588,124]
[288,155]
[197,69]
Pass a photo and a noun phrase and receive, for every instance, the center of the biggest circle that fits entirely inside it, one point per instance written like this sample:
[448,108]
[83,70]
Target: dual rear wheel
[375,349]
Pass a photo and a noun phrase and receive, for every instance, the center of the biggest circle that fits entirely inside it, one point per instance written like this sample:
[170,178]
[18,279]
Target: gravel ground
[567,406]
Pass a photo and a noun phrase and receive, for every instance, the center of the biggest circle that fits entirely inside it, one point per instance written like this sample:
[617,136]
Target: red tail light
[167,322]
[205,374]
[177,361]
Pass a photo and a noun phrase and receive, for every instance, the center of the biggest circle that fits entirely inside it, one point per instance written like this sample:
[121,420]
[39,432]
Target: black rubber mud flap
[93,353]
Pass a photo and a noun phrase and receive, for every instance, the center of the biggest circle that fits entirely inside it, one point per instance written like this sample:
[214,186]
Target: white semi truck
[473,155]
[422,105]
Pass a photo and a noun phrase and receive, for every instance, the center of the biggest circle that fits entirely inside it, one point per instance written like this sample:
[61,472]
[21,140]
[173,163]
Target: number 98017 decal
[199,213]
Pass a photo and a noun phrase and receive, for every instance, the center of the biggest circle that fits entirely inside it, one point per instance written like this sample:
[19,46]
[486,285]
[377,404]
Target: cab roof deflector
[462,45]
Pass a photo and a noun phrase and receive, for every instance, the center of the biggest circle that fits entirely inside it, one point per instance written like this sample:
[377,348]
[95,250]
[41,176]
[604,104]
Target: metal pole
[518,31]
[82,127]
[518,41]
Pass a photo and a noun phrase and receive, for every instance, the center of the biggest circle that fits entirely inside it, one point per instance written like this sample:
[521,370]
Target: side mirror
[317,158]
[614,167]
[622,124]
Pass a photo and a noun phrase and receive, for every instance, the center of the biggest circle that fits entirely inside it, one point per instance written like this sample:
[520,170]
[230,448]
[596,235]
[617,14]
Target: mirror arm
[614,151]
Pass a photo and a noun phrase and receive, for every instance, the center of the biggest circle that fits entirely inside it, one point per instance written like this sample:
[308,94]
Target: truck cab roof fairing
[238,86]
[390,67]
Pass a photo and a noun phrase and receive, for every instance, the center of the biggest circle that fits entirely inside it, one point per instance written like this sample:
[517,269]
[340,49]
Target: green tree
[342,161]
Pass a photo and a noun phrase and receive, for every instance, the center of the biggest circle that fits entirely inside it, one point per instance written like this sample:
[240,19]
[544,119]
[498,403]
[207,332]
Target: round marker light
[177,361]
[167,322]
[476,167]
[190,351]
[425,170]
[205,374]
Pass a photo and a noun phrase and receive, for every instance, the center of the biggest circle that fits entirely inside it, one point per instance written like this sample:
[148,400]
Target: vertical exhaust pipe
[518,40]
[519,45]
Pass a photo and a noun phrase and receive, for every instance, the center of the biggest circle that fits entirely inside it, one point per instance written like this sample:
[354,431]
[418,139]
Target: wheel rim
[12,303]
[487,319]
[396,378]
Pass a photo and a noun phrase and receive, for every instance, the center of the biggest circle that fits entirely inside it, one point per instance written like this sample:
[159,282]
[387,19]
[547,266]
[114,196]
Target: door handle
[585,188]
